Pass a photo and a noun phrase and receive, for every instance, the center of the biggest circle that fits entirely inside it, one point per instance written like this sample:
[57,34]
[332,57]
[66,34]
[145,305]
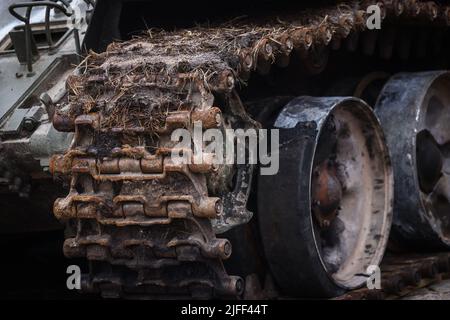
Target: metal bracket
[66,10]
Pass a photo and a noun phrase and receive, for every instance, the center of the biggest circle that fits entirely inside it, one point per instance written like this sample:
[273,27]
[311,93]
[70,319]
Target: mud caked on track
[148,225]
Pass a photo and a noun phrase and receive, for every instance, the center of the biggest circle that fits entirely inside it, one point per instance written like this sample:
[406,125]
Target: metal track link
[402,274]
[143,221]
[138,213]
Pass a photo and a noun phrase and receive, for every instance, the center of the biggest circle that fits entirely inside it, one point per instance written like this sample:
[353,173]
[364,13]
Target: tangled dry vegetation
[138,82]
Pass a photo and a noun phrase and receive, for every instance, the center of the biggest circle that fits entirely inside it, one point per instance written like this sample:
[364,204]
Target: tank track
[145,223]
[402,274]
[138,210]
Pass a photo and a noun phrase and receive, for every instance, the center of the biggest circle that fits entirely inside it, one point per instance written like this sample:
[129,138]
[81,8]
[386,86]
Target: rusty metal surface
[404,274]
[145,223]
[140,211]
[308,256]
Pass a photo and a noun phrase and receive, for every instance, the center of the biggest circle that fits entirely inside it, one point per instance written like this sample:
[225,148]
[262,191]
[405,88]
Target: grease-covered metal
[312,253]
[414,112]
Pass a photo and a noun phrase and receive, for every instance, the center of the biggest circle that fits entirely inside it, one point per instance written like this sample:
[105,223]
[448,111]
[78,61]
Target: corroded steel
[146,223]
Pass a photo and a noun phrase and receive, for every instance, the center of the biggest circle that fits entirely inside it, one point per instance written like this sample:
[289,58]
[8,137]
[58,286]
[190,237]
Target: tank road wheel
[326,215]
[414,110]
